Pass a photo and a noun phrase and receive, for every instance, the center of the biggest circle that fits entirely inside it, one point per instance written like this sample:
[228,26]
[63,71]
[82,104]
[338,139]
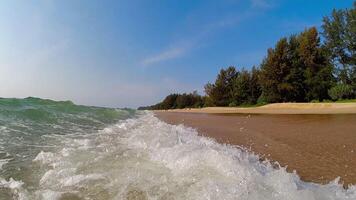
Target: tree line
[176,101]
[305,67]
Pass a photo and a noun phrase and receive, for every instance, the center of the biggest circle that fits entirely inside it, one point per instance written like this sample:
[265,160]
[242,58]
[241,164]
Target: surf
[134,155]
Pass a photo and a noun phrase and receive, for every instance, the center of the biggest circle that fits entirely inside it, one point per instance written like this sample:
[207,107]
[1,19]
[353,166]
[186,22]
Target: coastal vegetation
[311,66]
[176,101]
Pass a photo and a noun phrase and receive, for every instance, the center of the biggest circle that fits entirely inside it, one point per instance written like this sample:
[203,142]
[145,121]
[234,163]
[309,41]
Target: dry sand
[319,147]
[281,108]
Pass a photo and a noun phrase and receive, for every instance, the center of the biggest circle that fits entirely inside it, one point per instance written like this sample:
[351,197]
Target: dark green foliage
[246,89]
[241,88]
[262,100]
[318,70]
[353,79]
[295,78]
[255,87]
[220,92]
[274,70]
[192,100]
[341,91]
[296,70]
[173,101]
[170,101]
[339,31]
[233,88]
[207,102]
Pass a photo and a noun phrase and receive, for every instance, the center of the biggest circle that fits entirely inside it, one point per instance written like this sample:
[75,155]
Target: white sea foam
[145,158]
[16,187]
[3,162]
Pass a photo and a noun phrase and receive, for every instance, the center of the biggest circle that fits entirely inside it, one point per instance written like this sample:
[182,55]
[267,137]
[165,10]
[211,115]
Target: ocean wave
[145,158]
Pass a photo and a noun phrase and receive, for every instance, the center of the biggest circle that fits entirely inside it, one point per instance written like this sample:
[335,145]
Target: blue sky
[134,52]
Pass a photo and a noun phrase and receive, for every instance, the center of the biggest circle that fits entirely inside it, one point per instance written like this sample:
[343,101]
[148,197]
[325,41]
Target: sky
[129,53]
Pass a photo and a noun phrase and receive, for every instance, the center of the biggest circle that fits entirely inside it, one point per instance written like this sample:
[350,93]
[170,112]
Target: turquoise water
[59,150]
[31,125]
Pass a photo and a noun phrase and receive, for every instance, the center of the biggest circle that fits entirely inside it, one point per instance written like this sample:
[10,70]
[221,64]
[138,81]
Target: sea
[57,150]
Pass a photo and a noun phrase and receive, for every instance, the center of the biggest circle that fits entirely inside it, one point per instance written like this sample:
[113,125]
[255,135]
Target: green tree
[169,102]
[318,70]
[241,88]
[255,87]
[197,100]
[274,69]
[221,92]
[183,101]
[341,91]
[339,31]
[207,102]
[173,101]
[295,77]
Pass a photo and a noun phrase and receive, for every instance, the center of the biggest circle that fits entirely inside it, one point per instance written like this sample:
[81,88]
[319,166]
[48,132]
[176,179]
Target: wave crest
[145,158]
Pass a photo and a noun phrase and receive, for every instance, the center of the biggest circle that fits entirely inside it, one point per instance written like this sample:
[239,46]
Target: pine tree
[295,77]
[221,92]
[318,71]
[241,88]
[339,31]
[274,69]
[255,87]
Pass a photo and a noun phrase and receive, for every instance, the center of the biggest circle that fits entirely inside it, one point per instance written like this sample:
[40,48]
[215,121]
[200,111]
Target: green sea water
[31,125]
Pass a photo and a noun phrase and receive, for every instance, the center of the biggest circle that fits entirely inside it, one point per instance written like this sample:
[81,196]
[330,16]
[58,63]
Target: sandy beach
[279,108]
[319,147]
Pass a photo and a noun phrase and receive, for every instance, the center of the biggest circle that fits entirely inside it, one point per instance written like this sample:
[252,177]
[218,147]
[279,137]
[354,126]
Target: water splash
[145,158]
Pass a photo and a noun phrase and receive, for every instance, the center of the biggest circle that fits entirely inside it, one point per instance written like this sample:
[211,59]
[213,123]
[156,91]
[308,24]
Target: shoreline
[276,108]
[319,147]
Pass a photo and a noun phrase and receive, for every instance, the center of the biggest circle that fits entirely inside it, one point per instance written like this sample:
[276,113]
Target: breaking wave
[141,157]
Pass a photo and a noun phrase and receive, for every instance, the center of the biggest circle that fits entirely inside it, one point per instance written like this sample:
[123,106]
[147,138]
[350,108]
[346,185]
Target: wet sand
[319,147]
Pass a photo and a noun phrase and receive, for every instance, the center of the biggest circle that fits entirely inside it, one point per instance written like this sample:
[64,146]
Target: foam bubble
[15,187]
[3,162]
[48,194]
[45,158]
[145,158]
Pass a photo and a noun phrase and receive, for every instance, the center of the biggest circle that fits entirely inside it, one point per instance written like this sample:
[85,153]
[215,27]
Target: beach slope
[279,108]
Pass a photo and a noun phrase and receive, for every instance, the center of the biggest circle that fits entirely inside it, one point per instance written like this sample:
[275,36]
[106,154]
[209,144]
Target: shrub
[340,91]
[207,102]
[232,104]
[327,101]
[262,100]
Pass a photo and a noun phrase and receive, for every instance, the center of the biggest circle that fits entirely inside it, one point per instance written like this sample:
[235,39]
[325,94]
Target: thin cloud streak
[261,3]
[165,55]
[182,48]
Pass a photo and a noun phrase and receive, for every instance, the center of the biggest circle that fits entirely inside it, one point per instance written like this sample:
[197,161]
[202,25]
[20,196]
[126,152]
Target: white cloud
[182,48]
[193,41]
[168,54]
